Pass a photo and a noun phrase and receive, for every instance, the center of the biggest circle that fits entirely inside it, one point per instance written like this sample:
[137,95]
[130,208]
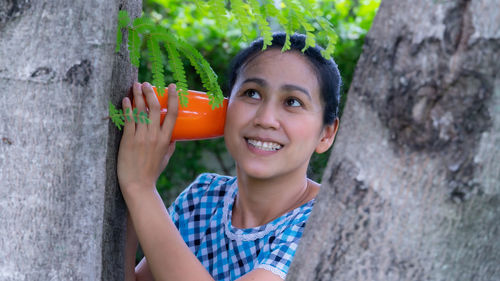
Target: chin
[261,172]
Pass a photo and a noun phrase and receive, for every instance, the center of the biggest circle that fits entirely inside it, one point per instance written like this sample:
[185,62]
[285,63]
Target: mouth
[264,145]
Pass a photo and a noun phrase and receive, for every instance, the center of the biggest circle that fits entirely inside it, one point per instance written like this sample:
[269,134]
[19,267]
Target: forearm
[130,250]
[168,256]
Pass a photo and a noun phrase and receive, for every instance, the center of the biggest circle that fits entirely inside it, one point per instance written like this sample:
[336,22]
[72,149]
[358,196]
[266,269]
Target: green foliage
[143,28]
[179,73]
[118,117]
[208,31]
[250,15]
[156,64]
[241,11]
[260,17]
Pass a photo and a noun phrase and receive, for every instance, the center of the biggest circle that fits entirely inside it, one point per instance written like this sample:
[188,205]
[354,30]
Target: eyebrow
[287,87]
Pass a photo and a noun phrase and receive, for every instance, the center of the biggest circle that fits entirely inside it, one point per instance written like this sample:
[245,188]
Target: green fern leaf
[116,116]
[135,115]
[156,64]
[295,16]
[134,46]
[310,41]
[218,8]
[287,44]
[242,16]
[179,74]
[262,23]
[123,19]
[270,9]
[331,35]
[144,25]
[127,114]
[207,75]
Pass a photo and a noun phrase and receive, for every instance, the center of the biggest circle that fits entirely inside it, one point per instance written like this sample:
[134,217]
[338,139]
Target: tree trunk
[412,189]
[61,215]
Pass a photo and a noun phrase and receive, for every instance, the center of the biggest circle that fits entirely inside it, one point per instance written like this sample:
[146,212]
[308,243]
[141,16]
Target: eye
[293,102]
[251,93]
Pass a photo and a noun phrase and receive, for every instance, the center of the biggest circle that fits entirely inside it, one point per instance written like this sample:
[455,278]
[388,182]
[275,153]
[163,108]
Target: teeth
[268,146]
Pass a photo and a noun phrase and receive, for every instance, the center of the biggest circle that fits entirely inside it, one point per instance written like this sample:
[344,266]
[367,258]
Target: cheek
[305,126]
[237,113]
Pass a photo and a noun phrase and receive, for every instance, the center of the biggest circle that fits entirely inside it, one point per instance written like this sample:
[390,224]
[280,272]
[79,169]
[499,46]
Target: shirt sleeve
[282,250]
[185,203]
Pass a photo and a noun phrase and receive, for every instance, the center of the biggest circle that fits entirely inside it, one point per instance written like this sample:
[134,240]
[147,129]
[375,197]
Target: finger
[153,105]
[129,127]
[172,109]
[140,105]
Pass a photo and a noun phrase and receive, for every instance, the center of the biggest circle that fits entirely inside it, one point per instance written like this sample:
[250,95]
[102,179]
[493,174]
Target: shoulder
[207,188]
[208,184]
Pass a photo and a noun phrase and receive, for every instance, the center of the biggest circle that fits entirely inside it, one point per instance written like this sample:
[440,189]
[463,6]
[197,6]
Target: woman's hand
[145,148]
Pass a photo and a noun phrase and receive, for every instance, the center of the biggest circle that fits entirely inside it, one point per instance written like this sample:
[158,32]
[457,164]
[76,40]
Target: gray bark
[61,215]
[412,188]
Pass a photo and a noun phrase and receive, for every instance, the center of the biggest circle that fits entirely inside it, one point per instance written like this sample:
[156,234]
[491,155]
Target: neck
[260,201]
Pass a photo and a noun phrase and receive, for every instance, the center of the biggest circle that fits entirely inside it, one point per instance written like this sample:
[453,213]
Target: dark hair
[327,71]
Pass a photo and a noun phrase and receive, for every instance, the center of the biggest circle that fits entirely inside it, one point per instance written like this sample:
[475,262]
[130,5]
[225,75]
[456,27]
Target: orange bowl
[197,120]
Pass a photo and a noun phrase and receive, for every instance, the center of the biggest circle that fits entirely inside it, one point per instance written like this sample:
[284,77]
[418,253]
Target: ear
[327,136]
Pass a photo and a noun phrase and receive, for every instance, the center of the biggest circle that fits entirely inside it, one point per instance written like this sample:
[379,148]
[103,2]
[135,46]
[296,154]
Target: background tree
[61,215]
[412,189]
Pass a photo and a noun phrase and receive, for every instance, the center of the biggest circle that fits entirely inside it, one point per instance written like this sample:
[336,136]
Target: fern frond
[270,9]
[177,67]
[123,19]
[218,8]
[127,114]
[262,23]
[207,74]
[156,64]
[310,41]
[310,8]
[134,46]
[331,36]
[116,116]
[135,115]
[287,44]
[296,16]
[144,25]
[242,16]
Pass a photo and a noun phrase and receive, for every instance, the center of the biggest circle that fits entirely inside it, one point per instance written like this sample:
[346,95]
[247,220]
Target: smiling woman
[282,108]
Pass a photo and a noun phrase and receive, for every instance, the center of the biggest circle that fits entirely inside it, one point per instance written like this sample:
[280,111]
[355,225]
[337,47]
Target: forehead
[290,67]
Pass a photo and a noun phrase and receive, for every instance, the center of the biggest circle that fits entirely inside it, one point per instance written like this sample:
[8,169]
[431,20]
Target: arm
[130,250]
[144,152]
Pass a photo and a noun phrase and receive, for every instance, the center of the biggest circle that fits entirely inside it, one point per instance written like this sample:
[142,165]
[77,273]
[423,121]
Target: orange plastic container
[197,120]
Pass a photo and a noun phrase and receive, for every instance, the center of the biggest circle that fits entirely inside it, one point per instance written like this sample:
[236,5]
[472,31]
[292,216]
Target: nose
[267,117]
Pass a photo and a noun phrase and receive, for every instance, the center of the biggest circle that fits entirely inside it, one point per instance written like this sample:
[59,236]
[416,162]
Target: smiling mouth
[264,145]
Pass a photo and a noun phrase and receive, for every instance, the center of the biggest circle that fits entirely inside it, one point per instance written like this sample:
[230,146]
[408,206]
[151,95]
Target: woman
[282,108]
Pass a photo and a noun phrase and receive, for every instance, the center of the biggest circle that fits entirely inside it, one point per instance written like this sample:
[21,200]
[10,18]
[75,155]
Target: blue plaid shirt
[202,213]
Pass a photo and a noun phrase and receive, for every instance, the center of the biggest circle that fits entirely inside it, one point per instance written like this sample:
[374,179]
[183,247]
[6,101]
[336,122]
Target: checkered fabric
[202,213]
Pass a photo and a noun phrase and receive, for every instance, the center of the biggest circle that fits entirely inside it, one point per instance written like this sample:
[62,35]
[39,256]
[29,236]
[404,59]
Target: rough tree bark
[412,189]
[61,215]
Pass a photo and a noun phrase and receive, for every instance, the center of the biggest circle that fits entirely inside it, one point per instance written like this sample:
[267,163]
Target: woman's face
[274,117]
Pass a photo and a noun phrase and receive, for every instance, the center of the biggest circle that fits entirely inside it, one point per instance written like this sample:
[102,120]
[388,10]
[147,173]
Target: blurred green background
[351,20]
